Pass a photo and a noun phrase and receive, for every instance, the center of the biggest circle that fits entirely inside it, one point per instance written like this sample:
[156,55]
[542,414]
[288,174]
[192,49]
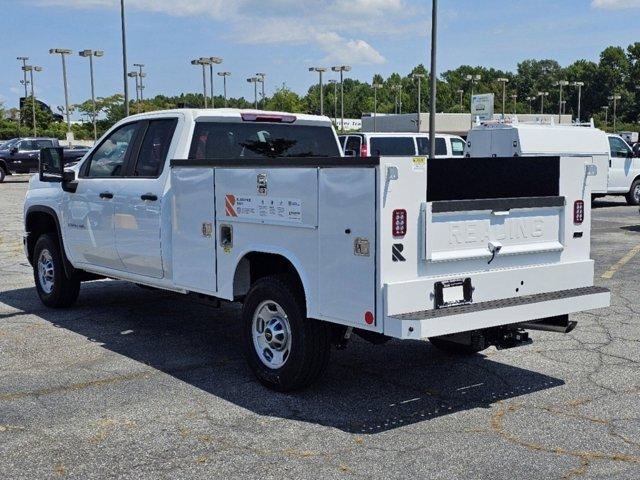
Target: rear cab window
[386,146]
[234,140]
[353,144]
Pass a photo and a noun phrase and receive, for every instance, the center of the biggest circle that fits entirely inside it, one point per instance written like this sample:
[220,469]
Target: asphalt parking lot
[133,383]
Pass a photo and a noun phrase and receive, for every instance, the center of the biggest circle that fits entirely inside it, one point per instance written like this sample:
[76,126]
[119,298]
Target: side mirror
[51,164]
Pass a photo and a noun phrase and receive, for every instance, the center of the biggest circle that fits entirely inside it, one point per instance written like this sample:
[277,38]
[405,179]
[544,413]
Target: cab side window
[618,147]
[457,147]
[108,159]
[155,147]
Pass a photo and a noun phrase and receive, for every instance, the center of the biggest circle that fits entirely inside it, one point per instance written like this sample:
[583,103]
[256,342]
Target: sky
[283,38]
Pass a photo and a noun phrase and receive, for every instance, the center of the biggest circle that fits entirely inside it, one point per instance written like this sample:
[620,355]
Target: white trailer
[618,171]
[464,252]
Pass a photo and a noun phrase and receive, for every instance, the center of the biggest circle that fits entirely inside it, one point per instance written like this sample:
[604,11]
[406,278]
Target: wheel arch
[39,220]
[256,264]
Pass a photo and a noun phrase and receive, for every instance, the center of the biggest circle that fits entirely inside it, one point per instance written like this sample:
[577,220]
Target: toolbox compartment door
[347,256]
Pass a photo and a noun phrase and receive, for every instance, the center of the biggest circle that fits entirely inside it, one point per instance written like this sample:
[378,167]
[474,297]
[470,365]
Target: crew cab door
[621,171]
[89,212]
[138,206]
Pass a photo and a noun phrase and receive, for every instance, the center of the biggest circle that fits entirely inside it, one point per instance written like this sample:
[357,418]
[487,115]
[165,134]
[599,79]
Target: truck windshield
[261,140]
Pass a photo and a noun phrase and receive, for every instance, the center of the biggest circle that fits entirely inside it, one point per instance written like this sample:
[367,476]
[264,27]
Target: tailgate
[465,229]
[490,208]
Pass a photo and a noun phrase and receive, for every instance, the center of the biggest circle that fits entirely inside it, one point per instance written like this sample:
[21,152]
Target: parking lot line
[621,263]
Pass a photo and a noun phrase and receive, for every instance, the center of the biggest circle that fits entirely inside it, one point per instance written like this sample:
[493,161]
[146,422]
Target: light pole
[461,93]
[255,81]
[224,76]
[135,75]
[63,52]
[606,115]
[514,97]
[504,82]
[124,60]
[141,75]
[91,54]
[31,69]
[530,100]
[262,76]
[24,82]
[203,62]
[376,87]
[579,85]
[473,79]
[433,80]
[419,76]
[320,71]
[560,83]
[615,99]
[341,69]
[542,95]
[335,100]
[213,61]
[397,90]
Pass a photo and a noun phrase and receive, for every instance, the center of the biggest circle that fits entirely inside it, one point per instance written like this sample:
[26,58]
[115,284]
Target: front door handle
[149,196]
[106,195]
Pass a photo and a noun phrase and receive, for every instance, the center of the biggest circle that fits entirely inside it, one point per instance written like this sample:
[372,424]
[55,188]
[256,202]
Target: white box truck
[618,170]
[261,208]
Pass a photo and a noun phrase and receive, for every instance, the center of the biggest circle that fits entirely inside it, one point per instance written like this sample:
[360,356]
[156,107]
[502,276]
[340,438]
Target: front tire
[3,174]
[55,289]
[284,349]
[633,197]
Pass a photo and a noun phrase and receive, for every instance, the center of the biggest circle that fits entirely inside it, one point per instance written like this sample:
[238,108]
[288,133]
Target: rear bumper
[431,323]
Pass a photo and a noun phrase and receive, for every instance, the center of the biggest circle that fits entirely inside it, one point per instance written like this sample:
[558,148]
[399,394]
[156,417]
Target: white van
[618,170]
[370,144]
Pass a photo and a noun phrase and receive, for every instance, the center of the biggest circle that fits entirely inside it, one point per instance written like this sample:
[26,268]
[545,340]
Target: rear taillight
[363,150]
[399,219]
[578,212]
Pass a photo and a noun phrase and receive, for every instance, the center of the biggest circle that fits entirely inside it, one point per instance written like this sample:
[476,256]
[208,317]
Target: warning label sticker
[419,164]
[263,208]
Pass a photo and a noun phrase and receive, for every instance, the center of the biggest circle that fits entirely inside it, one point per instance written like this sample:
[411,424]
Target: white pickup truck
[260,207]
[618,169]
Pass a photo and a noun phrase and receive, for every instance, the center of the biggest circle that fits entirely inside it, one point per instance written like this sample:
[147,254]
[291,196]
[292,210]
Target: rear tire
[633,197]
[454,348]
[55,289]
[284,349]
[3,174]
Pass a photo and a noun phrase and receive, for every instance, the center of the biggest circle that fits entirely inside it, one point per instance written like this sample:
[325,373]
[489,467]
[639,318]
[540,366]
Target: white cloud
[338,28]
[615,4]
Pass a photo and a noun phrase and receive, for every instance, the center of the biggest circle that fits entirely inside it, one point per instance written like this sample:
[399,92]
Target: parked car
[74,153]
[21,155]
[403,144]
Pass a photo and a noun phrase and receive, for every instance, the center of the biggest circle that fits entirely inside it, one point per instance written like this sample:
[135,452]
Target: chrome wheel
[271,334]
[45,271]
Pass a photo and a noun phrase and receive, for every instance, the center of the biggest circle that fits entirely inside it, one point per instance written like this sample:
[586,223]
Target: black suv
[21,155]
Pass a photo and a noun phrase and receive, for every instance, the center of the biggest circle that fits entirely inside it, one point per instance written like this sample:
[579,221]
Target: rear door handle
[106,195]
[149,196]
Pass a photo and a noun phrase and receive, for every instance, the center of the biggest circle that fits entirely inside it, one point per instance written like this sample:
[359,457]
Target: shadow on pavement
[367,388]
